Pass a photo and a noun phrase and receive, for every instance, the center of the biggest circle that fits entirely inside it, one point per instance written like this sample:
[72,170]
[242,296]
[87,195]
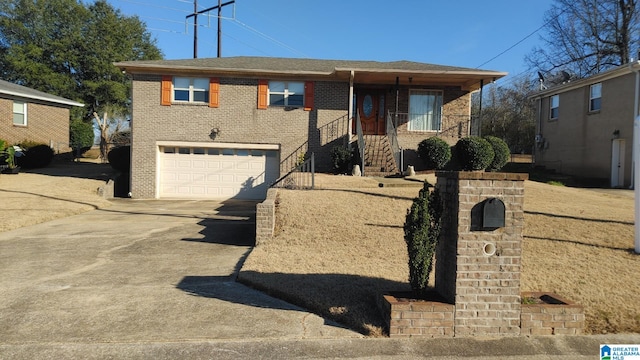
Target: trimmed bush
[434,152]
[81,136]
[474,153]
[421,232]
[120,158]
[340,159]
[501,153]
[35,156]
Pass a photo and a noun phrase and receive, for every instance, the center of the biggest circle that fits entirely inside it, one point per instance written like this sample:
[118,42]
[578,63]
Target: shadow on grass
[81,170]
[576,242]
[578,218]
[372,193]
[47,197]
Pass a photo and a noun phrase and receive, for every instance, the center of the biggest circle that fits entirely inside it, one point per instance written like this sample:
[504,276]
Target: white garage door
[216,173]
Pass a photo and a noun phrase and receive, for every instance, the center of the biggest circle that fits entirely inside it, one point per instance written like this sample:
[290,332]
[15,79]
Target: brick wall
[46,124]
[456,114]
[266,217]
[566,318]
[484,286]
[417,317]
[239,121]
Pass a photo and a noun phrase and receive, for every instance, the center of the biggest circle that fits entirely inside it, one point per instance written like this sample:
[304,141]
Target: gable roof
[575,84]
[15,90]
[364,71]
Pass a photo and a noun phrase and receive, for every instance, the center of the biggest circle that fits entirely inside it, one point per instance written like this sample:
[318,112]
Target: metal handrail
[360,142]
[303,176]
[392,135]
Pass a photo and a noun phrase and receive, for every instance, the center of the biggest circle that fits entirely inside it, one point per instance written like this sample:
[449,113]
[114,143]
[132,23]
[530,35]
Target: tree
[508,114]
[67,48]
[109,127]
[585,37]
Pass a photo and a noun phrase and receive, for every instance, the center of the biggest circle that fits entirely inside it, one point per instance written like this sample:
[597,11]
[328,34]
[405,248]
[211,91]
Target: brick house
[249,120]
[28,114]
[585,127]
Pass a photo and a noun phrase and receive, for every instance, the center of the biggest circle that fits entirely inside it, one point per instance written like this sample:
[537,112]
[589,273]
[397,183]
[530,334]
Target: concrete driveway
[140,271]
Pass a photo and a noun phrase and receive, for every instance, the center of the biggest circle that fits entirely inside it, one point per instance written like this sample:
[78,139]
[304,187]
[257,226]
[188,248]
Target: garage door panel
[216,173]
[198,164]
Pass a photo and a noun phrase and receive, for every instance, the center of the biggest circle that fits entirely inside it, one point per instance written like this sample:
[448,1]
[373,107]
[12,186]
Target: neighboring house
[585,127]
[230,127]
[28,114]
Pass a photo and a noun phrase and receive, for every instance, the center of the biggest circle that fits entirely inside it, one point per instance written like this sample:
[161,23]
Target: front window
[554,104]
[19,113]
[595,97]
[425,110]
[194,90]
[286,93]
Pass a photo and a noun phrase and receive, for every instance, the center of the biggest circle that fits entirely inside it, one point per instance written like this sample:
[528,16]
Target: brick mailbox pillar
[478,254]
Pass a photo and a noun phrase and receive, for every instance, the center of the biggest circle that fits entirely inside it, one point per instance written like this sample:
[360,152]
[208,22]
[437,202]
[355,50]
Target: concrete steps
[378,157]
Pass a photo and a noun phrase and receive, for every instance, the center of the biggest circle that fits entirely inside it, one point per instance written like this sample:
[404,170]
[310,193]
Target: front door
[371,109]
[617,163]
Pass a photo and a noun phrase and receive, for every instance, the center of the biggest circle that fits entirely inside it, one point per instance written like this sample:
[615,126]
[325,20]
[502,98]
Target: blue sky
[464,33]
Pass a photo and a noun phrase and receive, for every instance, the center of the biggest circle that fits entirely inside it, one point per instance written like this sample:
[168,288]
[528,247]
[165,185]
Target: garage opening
[198,172]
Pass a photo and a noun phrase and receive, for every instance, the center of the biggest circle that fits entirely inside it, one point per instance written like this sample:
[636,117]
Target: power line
[522,40]
[152,5]
[270,38]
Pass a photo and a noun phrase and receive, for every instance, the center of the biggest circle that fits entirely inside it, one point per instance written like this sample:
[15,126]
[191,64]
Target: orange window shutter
[308,95]
[263,92]
[166,90]
[214,92]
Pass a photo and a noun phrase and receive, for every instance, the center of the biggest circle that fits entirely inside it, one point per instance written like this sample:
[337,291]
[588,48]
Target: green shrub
[81,135]
[421,232]
[35,156]
[434,152]
[474,153]
[501,152]
[341,159]
[120,158]
[28,144]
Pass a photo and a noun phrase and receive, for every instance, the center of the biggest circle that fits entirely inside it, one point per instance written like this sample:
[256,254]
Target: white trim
[218,145]
[24,112]
[41,98]
[551,107]
[591,98]
[440,112]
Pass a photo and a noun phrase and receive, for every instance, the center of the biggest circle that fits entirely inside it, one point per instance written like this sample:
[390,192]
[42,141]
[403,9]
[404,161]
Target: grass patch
[338,247]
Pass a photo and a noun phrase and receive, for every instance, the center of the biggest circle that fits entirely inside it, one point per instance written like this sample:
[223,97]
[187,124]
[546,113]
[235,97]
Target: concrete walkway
[155,280]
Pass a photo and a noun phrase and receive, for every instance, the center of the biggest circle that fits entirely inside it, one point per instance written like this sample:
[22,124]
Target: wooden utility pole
[195,24]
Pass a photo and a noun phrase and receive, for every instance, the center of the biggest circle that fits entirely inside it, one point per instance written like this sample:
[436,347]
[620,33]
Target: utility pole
[195,24]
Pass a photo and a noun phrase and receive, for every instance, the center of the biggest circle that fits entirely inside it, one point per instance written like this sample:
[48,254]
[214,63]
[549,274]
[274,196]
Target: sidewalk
[520,348]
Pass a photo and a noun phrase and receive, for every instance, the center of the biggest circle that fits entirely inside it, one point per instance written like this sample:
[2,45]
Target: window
[554,105]
[193,90]
[425,110]
[282,93]
[595,97]
[19,113]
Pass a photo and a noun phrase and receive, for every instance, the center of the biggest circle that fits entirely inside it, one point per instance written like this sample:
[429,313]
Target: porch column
[351,103]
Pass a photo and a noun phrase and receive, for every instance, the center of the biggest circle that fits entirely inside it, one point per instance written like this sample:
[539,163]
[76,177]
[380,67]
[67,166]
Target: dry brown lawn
[336,248]
[59,190]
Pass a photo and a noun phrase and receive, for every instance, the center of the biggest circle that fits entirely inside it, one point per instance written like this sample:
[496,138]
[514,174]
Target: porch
[389,151]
